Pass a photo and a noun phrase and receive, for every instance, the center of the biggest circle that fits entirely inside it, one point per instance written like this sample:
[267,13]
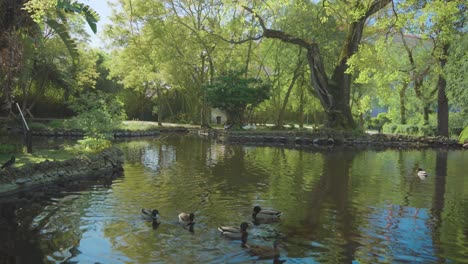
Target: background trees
[328,63]
[233,93]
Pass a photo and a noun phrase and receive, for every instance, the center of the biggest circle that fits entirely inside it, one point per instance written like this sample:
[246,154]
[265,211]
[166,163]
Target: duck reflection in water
[261,251]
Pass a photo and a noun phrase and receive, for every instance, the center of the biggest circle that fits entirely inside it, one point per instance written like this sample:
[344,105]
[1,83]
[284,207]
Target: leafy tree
[97,115]
[333,91]
[233,93]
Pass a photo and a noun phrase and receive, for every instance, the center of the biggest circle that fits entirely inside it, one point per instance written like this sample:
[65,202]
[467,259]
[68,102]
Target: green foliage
[463,136]
[412,130]
[457,121]
[457,74]
[93,144]
[56,124]
[98,114]
[232,93]
[379,121]
[53,13]
[6,148]
[389,128]
[36,126]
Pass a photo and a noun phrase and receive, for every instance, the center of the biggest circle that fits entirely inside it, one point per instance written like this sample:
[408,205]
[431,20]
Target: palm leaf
[78,8]
[69,42]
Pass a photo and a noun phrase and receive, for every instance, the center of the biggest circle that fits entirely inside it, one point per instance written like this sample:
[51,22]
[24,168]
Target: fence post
[26,131]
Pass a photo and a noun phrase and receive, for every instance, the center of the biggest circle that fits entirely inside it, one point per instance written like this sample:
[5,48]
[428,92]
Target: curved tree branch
[281,35]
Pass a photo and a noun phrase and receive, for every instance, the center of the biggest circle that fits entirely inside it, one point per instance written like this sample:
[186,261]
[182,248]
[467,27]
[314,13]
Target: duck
[9,163]
[265,214]
[150,215]
[422,173]
[234,232]
[186,220]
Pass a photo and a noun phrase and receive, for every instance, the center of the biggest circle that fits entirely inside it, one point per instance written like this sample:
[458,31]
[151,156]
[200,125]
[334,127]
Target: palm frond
[69,42]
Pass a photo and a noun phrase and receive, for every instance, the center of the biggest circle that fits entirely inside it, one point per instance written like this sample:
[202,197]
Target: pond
[339,206]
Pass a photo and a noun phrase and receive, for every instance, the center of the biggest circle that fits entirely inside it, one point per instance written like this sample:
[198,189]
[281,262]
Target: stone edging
[321,139]
[116,133]
[105,164]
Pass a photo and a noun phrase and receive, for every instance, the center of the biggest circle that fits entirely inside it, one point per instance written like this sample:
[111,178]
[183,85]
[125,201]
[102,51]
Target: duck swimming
[234,232]
[186,220]
[265,214]
[422,173]
[149,215]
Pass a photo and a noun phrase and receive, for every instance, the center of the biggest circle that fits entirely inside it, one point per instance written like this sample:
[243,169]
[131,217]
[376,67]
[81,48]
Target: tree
[232,93]
[17,21]
[334,91]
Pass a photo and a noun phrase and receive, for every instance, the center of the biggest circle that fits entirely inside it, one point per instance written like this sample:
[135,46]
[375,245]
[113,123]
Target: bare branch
[376,6]
[281,35]
[232,41]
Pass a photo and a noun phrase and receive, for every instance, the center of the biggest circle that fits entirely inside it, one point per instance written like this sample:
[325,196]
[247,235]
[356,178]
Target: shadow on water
[19,234]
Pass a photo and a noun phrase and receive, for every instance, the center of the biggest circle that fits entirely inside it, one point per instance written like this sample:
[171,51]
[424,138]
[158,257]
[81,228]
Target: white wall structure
[218,116]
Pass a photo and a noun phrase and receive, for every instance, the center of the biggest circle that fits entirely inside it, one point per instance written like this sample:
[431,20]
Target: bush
[411,130]
[94,144]
[377,123]
[427,130]
[389,128]
[463,136]
[56,124]
[38,126]
[98,114]
[8,148]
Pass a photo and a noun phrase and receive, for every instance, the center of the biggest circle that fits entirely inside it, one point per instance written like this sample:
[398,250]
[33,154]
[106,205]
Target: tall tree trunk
[402,97]
[334,92]
[301,104]
[160,101]
[442,101]
[8,83]
[426,112]
[418,80]
[280,122]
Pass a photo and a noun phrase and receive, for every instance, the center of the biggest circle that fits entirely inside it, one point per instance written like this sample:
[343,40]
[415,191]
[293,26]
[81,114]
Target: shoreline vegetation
[105,165]
[263,135]
[42,171]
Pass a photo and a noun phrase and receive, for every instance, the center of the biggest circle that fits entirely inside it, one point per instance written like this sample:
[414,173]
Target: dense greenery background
[320,60]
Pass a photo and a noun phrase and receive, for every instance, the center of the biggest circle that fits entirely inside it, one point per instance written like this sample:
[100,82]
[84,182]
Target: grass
[148,125]
[39,155]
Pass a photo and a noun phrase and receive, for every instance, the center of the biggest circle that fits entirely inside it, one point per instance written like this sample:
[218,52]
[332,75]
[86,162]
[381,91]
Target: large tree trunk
[402,97]
[443,111]
[288,93]
[334,92]
[235,118]
[301,104]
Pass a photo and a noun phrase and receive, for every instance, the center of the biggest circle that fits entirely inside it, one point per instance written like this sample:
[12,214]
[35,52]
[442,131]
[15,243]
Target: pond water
[339,206]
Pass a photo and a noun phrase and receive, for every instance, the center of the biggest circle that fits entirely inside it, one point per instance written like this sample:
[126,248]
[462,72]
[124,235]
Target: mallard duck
[150,215]
[186,220]
[265,214]
[233,232]
[422,173]
[9,163]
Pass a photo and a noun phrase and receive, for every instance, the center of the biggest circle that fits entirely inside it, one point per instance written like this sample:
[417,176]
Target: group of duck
[259,215]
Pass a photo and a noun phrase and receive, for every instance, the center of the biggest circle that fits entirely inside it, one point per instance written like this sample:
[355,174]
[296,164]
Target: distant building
[218,116]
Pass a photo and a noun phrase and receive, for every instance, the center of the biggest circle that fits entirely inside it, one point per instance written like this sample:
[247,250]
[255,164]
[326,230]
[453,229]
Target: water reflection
[339,206]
